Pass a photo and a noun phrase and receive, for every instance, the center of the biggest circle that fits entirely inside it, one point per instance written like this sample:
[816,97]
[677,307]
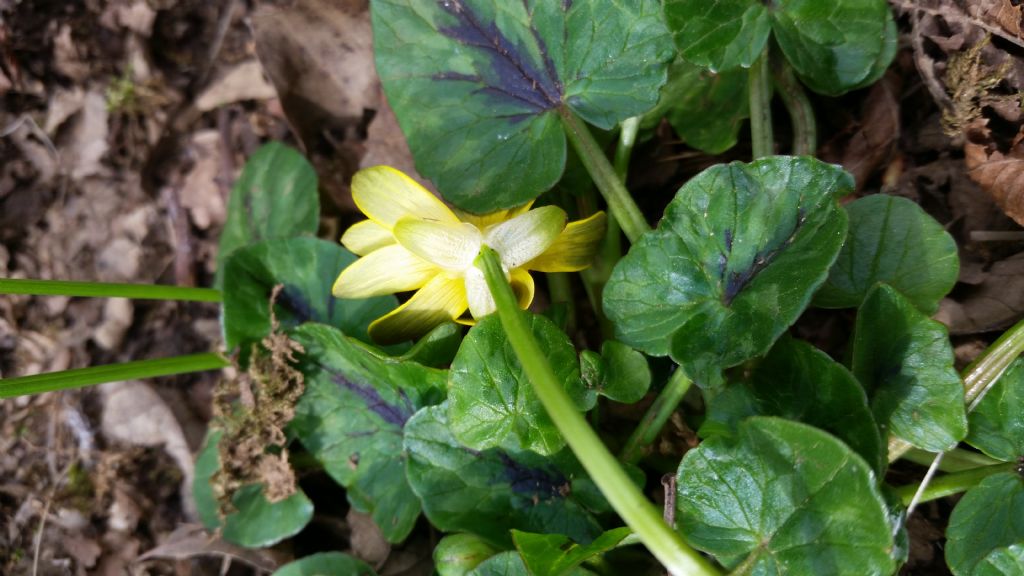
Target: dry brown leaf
[1000,174]
[191,540]
[242,82]
[319,56]
[87,141]
[200,194]
[871,145]
[367,541]
[386,144]
[995,304]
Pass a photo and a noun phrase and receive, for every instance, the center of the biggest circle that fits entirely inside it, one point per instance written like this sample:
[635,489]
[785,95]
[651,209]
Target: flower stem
[620,203]
[760,94]
[952,483]
[656,416]
[956,460]
[622,494]
[107,290]
[80,377]
[801,113]
[560,286]
[979,377]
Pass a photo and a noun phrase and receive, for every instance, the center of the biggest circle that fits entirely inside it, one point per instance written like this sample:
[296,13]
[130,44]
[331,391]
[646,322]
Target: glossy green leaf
[989,518]
[256,523]
[437,348]
[904,360]
[799,382]
[1008,561]
[275,197]
[511,564]
[784,498]
[733,263]
[492,491]
[457,554]
[892,240]
[476,84]
[326,564]
[491,402]
[351,417]
[719,35]
[306,268]
[997,423]
[558,555]
[618,372]
[833,46]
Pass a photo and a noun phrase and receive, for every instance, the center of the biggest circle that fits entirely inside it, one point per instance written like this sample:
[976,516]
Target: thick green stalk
[561,293]
[801,113]
[951,483]
[622,494]
[956,460]
[656,416]
[79,377]
[620,203]
[760,94]
[107,290]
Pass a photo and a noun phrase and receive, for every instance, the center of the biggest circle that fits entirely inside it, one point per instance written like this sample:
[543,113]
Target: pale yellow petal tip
[366,236]
[385,194]
[574,248]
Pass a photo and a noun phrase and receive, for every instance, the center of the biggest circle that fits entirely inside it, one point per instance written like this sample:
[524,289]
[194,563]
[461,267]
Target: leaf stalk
[760,95]
[107,290]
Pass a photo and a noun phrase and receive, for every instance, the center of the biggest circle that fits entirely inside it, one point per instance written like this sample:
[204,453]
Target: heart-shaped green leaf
[784,498]
[1008,561]
[351,418]
[619,372]
[997,423]
[512,564]
[834,46]
[989,518]
[799,382]
[492,491]
[904,360]
[491,402]
[891,240]
[735,260]
[706,109]
[256,522]
[457,554]
[477,84]
[305,267]
[326,564]
[275,197]
[558,555]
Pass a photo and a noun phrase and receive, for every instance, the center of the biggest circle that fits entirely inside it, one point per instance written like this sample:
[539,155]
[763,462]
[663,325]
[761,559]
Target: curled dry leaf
[871,144]
[1000,173]
[994,304]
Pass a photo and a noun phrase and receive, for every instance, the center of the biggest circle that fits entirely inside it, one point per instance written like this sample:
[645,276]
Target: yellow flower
[412,241]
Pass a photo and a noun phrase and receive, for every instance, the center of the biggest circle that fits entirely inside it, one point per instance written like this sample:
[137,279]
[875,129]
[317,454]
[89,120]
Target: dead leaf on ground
[367,541]
[872,141]
[995,304]
[243,81]
[386,144]
[200,194]
[86,144]
[319,56]
[1000,174]
[191,540]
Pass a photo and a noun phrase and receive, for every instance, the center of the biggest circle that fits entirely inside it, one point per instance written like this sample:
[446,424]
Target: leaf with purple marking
[351,418]
[305,268]
[733,263]
[477,84]
[492,491]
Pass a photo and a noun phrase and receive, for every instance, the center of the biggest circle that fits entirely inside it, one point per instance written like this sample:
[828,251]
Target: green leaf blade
[892,240]
[784,498]
[905,362]
[720,35]
[492,74]
[997,423]
[325,564]
[732,264]
[988,518]
[352,415]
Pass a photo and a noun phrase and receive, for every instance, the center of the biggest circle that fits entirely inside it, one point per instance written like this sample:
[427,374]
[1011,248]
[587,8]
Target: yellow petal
[522,286]
[450,246]
[526,236]
[385,271]
[483,221]
[364,237]
[385,195]
[574,249]
[441,299]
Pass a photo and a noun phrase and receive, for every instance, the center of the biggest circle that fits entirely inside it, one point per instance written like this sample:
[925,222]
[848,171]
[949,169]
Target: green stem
[952,483]
[80,377]
[979,377]
[657,414]
[107,290]
[801,113]
[611,479]
[620,203]
[561,293]
[956,460]
[760,94]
